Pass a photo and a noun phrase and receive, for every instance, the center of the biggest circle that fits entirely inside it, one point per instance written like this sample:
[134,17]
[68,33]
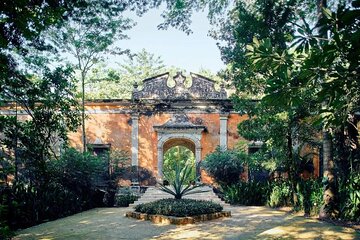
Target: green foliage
[178,12]
[5,232]
[79,172]
[277,194]
[250,193]
[310,192]
[104,82]
[182,156]
[321,68]
[70,187]
[125,197]
[52,111]
[225,166]
[280,194]
[179,207]
[125,200]
[180,181]
[119,161]
[17,17]
[118,83]
[349,192]
[88,35]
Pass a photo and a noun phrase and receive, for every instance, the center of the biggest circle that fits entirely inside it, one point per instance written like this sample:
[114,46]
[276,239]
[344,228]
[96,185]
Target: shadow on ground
[245,223]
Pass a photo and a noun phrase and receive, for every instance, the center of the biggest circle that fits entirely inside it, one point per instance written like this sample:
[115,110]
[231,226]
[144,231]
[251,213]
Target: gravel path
[245,223]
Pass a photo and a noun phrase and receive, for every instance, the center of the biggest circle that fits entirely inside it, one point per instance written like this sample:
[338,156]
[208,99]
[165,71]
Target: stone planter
[178,220]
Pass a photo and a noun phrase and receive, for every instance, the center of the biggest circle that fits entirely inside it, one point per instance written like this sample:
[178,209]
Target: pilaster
[135,140]
[223,130]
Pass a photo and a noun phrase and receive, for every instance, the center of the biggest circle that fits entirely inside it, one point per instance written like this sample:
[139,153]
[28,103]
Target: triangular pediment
[179,121]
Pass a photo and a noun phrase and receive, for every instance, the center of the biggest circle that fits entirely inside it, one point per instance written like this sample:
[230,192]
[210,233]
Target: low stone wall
[178,220]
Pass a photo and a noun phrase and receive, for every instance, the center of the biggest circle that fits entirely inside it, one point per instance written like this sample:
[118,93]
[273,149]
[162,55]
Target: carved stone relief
[157,88]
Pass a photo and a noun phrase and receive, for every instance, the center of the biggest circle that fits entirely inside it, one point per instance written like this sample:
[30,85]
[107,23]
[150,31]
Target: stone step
[153,194]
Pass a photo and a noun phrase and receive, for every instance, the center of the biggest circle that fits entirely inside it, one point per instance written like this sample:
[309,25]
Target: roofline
[157,76]
[198,75]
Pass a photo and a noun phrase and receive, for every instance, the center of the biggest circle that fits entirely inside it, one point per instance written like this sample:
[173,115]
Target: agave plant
[180,182]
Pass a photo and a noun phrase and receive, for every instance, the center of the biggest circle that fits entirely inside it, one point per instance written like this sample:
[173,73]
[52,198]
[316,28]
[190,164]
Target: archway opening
[179,152]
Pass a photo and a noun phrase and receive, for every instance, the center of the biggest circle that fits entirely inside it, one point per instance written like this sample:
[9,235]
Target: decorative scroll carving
[157,88]
[203,87]
[179,121]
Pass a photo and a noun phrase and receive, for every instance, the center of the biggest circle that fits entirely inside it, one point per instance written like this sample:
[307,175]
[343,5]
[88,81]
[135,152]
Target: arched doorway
[178,131]
[167,141]
[179,152]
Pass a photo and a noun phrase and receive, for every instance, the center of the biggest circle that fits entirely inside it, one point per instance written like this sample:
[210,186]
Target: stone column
[223,130]
[197,161]
[160,163]
[135,140]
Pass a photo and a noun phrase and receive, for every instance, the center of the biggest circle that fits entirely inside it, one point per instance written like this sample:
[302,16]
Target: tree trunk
[291,164]
[329,209]
[83,111]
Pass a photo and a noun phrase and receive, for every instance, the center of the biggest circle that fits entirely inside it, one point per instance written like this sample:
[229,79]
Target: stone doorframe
[193,135]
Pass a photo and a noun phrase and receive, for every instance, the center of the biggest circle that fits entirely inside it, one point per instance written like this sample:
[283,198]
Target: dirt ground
[245,223]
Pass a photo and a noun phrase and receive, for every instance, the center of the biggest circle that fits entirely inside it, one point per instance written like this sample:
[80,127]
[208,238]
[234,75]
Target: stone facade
[160,117]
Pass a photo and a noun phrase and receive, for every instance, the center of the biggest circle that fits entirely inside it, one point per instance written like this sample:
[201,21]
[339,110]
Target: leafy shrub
[5,232]
[316,197]
[224,166]
[67,187]
[124,200]
[179,207]
[252,193]
[350,197]
[280,194]
[310,196]
[125,197]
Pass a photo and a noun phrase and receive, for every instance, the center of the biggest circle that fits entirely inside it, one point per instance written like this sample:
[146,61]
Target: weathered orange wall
[233,135]
[110,128]
[148,140]
[115,128]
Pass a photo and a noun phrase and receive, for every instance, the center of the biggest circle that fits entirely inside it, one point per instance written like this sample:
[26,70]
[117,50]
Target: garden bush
[125,197]
[67,187]
[5,232]
[252,193]
[123,200]
[179,207]
[224,166]
[310,196]
[350,197]
[280,194]
[277,194]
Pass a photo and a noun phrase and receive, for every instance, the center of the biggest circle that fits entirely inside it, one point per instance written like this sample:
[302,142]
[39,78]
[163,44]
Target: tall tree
[279,126]
[330,194]
[325,68]
[88,36]
[52,110]
[44,94]
[118,82]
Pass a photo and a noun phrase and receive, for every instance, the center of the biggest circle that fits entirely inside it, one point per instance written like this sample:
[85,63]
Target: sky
[176,48]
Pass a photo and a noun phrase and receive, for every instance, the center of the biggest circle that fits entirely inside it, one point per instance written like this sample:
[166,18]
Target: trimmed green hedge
[125,199]
[179,207]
